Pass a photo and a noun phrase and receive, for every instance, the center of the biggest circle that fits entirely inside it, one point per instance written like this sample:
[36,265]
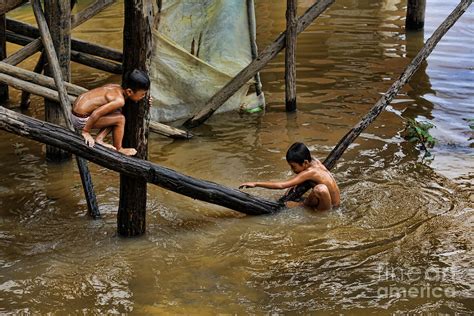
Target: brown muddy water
[400,243]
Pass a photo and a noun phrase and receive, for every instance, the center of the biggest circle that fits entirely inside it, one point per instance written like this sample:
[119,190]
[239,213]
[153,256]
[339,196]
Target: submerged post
[415,14]
[58,16]
[3,54]
[137,45]
[290,65]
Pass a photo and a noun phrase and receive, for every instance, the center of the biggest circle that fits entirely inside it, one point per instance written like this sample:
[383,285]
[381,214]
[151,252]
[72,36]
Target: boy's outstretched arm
[300,178]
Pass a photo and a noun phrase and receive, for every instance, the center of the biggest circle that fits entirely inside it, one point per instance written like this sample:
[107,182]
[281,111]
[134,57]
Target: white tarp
[199,46]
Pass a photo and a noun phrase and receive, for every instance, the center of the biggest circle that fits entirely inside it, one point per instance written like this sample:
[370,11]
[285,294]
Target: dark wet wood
[8,5]
[25,96]
[55,68]
[415,19]
[255,66]
[169,179]
[290,56]
[385,100]
[3,55]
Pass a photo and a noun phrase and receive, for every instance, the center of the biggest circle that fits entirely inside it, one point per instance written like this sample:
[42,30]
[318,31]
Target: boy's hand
[247,185]
[88,138]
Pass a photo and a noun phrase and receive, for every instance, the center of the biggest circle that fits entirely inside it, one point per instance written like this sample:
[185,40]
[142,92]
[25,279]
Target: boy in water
[100,108]
[324,195]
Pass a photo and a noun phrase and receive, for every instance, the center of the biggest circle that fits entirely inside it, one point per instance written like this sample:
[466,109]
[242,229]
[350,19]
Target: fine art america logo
[416,282]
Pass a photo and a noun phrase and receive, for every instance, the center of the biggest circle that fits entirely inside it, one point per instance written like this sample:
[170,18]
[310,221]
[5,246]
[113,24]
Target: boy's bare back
[319,174]
[109,95]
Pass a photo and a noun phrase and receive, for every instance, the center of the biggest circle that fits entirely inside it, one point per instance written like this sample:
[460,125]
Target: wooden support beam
[90,11]
[385,100]
[32,88]
[169,131]
[25,95]
[78,45]
[22,54]
[166,178]
[253,41]
[8,5]
[137,48]
[65,103]
[3,55]
[255,66]
[290,56]
[415,19]
[81,58]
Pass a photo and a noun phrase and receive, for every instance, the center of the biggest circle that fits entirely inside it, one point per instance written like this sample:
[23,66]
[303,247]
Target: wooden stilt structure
[25,96]
[415,19]
[65,104]
[385,100]
[58,17]
[290,56]
[137,40]
[255,66]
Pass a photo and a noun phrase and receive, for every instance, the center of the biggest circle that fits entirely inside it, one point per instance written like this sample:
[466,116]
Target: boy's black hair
[298,152]
[136,80]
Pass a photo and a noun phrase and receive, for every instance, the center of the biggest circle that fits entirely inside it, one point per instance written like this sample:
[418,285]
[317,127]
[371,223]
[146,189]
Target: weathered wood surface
[253,42]
[65,103]
[415,19]
[25,96]
[382,103]
[169,131]
[58,17]
[290,56]
[82,58]
[137,48]
[3,55]
[207,191]
[255,66]
[90,11]
[28,50]
[8,5]
[39,79]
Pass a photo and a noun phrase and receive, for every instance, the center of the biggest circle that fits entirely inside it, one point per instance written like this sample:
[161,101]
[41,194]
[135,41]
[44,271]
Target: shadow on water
[402,224]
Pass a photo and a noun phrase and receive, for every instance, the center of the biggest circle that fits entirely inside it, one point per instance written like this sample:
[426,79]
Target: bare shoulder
[113,92]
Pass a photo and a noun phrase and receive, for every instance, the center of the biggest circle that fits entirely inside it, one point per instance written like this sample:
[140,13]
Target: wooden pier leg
[58,16]
[415,14]
[137,46]
[3,54]
[290,65]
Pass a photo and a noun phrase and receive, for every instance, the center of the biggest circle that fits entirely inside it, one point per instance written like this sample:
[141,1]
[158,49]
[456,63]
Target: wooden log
[81,58]
[169,131]
[39,79]
[255,66]
[90,11]
[166,178]
[415,19]
[22,54]
[137,48]
[65,104]
[290,56]
[31,88]
[253,42]
[3,55]
[381,104]
[8,5]
[78,45]
[25,95]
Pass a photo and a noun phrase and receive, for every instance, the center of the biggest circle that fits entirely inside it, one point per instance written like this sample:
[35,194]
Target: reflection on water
[402,224]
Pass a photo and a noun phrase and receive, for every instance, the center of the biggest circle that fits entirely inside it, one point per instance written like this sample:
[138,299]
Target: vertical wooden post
[415,14]
[58,16]
[290,65]
[3,55]
[253,41]
[137,47]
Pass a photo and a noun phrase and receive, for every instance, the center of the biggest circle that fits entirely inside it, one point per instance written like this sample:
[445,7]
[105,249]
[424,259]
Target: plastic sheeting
[199,46]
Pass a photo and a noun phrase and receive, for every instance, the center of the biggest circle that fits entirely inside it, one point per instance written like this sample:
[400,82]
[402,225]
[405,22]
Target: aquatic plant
[418,132]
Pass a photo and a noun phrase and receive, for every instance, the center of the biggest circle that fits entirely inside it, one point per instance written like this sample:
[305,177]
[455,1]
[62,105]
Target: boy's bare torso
[318,173]
[93,99]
